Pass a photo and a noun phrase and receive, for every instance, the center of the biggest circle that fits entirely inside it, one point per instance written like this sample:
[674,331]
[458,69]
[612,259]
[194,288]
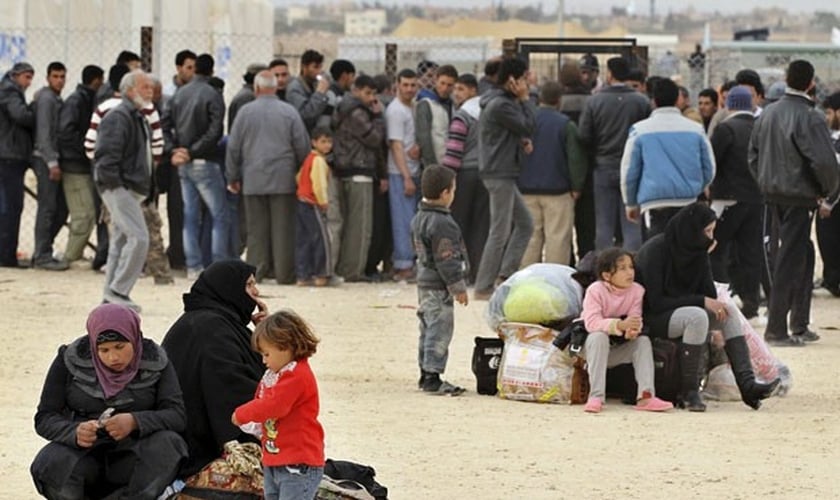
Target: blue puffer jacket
[667,162]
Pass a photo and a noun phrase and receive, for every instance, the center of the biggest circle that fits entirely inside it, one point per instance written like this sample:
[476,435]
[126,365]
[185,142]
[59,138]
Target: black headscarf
[688,248]
[223,282]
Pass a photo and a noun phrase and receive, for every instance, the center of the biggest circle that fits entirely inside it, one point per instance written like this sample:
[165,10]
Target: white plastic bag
[538,294]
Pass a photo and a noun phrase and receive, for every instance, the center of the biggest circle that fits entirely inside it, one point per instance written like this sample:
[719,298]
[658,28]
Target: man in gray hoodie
[52,207]
[506,125]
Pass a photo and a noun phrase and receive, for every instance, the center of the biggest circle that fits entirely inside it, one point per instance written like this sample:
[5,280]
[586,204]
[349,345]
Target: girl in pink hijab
[112,410]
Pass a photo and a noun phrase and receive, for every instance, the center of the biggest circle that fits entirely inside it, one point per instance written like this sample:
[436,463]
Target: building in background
[368,22]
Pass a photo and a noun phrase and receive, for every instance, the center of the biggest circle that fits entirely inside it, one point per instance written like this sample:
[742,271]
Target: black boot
[690,359]
[739,357]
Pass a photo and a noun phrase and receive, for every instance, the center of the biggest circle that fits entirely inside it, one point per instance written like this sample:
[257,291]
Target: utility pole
[561,6]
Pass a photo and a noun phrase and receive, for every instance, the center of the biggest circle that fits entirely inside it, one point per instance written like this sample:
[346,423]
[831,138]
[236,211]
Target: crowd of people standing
[544,173]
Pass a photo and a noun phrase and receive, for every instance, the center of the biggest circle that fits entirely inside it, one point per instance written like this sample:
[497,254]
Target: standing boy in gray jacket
[506,125]
[441,263]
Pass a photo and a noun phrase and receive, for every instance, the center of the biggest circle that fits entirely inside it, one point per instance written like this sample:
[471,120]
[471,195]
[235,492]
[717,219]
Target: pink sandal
[653,404]
[593,405]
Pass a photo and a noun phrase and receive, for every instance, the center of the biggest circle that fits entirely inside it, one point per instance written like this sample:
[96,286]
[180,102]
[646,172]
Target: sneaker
[80,264]
[434,385]
[593,405]
[193,274]
[834,290]
[444,388]
[792,341]
[304,282]
[807,336]
[51,265]
[164,280]
[653,404]
[483,294]
[112,297]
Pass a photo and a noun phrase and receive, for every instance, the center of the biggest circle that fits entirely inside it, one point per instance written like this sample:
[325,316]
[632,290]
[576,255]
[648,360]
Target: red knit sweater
[288,412]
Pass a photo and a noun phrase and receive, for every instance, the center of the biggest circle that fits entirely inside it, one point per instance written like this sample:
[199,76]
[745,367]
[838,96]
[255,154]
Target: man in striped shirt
[157,262]
[471,207]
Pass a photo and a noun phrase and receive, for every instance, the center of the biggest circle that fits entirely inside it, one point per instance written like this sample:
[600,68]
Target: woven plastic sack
[720,385]
[766,366]
[538,294]
[532,368]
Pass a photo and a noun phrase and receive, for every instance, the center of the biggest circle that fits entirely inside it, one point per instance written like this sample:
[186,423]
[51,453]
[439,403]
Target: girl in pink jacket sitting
[612,314]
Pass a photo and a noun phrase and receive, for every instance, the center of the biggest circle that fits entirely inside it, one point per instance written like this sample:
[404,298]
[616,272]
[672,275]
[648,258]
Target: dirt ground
[467,447]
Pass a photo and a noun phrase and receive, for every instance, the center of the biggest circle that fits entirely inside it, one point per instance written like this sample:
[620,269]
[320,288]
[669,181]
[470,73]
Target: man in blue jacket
[667,163]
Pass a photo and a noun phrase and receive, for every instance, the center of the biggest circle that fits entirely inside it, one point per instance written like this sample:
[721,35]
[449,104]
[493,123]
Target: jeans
[610,212]
[437,322]
[203,180]
[291,482]
[312,242]
[511,227]
[11,206]
[403,209]
[52,212]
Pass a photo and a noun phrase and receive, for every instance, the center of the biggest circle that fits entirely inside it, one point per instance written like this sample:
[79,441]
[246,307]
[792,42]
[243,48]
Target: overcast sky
[642,6]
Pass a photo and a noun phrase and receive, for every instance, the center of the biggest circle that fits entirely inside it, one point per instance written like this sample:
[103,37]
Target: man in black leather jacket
[792,158]
[197,116]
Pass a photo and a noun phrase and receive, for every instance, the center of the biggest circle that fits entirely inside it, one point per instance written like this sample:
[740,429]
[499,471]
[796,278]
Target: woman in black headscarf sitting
[112,410]
[210,347]
[681,302]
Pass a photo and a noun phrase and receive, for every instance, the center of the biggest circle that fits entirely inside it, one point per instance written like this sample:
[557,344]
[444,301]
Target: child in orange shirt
[312,241]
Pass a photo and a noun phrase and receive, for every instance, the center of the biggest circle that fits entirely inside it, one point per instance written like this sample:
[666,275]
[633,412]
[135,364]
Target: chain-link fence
[76,48]
[373,55]
[722,61]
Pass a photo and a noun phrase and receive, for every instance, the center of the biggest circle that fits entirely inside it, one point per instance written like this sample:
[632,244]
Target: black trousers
[828,239]
[11,207]
[471,210]
[381,239]
[793,270]
[52,212]
[738,235]
[659,218]
[585,219]
[175,218]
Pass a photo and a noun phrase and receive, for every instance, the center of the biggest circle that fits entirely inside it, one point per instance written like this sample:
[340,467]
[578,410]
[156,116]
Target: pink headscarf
[126,322]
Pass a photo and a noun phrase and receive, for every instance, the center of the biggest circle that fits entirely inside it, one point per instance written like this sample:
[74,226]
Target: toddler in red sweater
[286,407]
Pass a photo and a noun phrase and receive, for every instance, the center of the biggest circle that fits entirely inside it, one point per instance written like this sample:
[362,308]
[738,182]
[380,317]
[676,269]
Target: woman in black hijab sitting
[210,348]
[681,302]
